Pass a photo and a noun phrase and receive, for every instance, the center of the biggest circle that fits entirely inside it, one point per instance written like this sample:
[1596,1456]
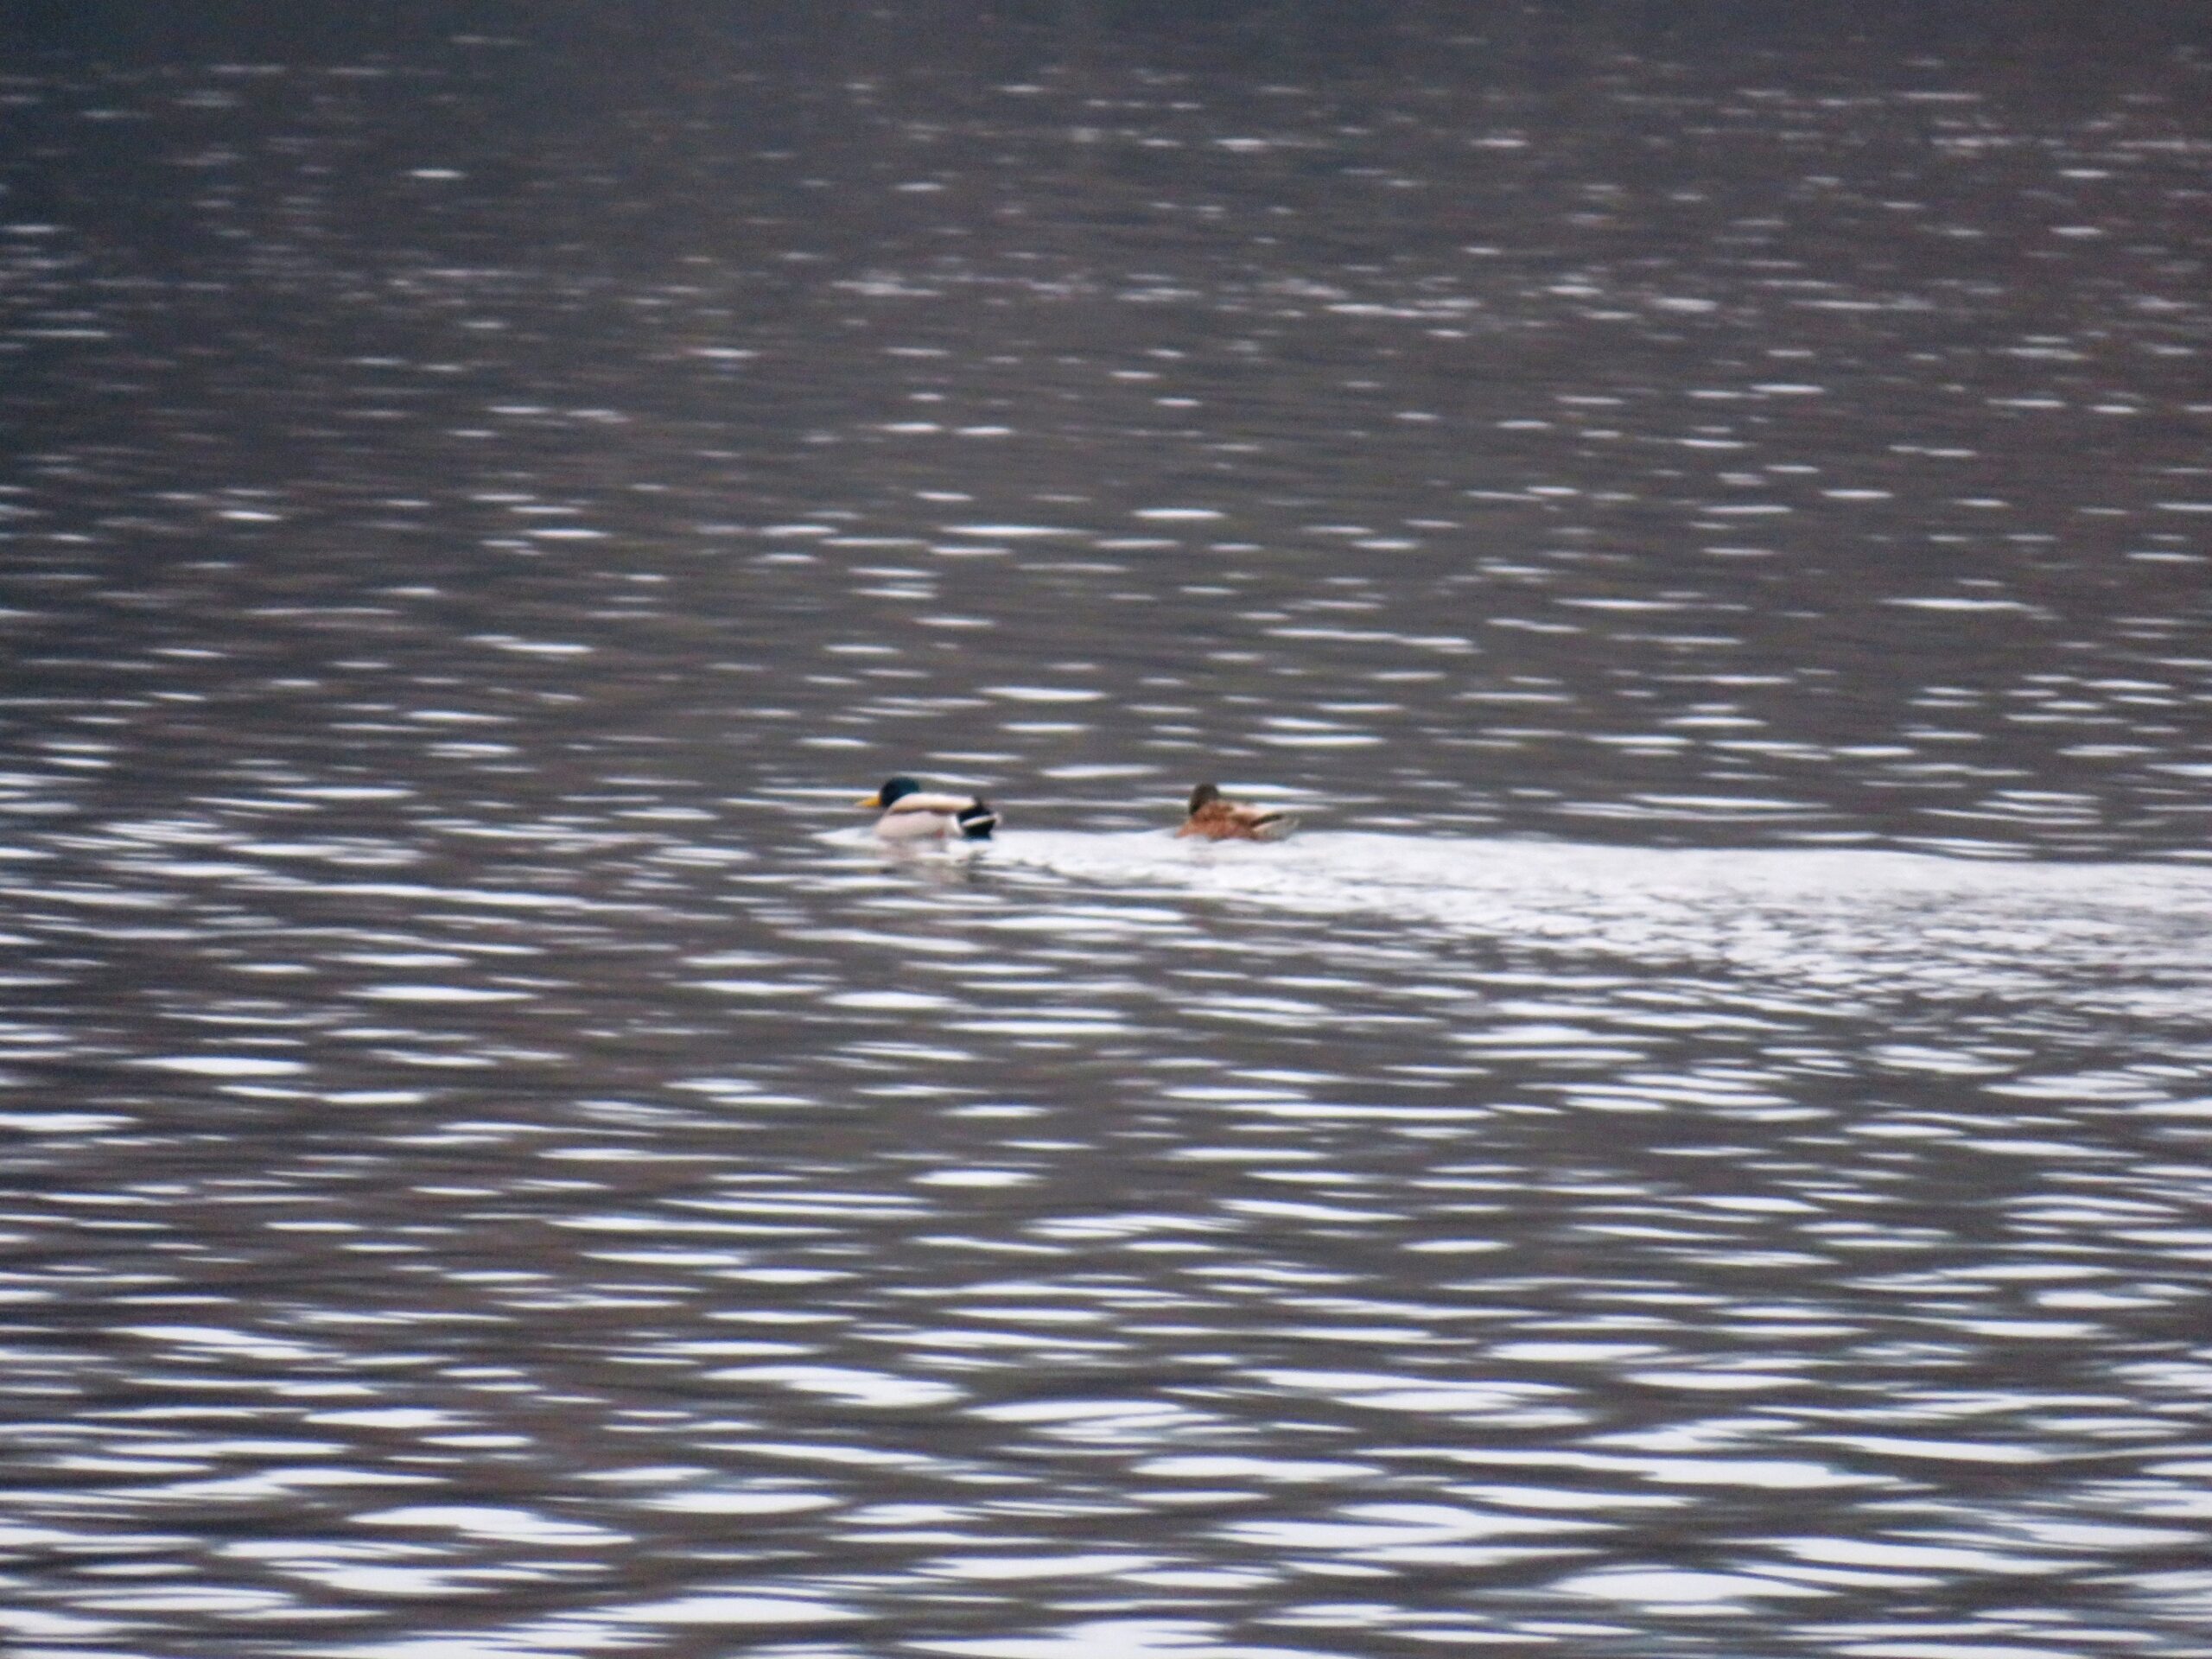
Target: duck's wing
[943,806]
[1240,821]
[1236,820]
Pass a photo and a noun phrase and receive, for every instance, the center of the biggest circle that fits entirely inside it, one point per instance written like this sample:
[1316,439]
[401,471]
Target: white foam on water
[1851,920]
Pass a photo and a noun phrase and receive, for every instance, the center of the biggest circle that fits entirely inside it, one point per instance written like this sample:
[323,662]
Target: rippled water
[1699,1147]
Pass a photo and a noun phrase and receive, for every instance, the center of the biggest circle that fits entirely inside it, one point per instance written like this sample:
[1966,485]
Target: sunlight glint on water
[1697,1148]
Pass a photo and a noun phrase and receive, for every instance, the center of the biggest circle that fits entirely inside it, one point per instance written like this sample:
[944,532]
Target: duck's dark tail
[976,819]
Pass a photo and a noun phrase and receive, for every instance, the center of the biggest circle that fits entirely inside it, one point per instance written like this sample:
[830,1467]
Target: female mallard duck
[910,813]
[1216,817]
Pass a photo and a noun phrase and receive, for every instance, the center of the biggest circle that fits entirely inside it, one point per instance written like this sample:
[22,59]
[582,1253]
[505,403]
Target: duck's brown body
[1215,817]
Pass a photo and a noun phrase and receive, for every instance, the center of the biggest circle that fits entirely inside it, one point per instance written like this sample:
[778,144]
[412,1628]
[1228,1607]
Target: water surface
[1697,1148]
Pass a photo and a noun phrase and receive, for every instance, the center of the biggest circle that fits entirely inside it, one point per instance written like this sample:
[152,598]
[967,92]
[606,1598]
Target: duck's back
[1219,820]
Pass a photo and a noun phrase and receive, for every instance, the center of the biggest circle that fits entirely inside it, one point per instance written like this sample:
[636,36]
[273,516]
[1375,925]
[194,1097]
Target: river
[1696,1149]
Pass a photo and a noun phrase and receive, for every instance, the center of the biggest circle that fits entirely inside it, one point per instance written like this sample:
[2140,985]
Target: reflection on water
[1699,1147]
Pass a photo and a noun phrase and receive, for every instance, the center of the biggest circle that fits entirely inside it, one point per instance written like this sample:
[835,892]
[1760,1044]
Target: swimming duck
[1216,817]
[912,813]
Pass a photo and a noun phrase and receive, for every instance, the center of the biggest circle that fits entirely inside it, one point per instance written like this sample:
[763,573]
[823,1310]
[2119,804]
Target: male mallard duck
[1219,818]
[910,813]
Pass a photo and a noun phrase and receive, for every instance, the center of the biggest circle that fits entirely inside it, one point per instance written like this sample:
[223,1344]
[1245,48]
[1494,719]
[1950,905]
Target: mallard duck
[910,813]
[1216,817]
